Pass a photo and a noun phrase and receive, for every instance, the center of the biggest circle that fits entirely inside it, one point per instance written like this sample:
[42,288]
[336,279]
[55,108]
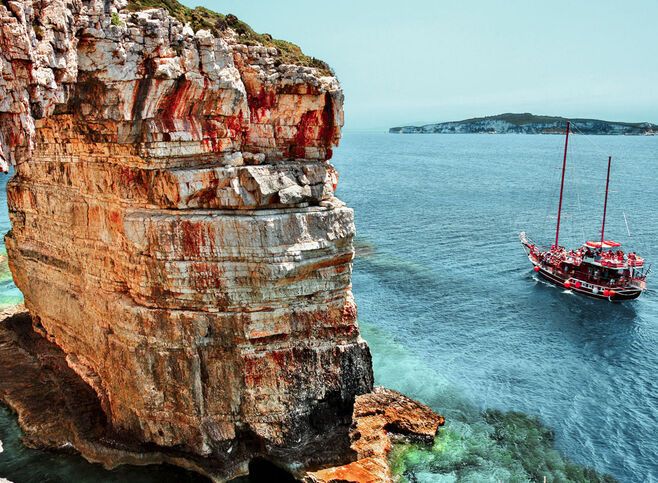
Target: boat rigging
[598,269]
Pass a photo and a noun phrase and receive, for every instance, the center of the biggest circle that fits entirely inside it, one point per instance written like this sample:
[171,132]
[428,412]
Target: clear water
[455,318]
[450,306]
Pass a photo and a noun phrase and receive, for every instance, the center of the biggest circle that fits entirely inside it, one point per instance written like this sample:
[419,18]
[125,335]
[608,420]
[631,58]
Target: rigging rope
[587,137]
[575,184]
[617,160]
[554,192]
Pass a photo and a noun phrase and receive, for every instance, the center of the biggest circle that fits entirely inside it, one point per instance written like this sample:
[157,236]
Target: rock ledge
[381,417]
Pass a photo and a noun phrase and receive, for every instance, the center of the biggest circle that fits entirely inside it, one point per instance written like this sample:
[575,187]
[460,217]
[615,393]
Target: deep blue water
[452,312]
[449,303]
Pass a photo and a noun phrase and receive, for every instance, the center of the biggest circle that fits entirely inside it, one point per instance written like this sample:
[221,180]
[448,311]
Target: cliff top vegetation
[203,18]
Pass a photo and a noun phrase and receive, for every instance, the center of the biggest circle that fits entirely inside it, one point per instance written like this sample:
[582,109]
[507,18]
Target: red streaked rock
[175,231]
[177,239]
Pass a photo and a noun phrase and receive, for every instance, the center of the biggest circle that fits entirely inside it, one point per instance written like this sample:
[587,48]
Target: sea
[535,382]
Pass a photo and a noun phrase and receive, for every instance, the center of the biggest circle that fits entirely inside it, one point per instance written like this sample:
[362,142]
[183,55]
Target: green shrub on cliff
[203,18]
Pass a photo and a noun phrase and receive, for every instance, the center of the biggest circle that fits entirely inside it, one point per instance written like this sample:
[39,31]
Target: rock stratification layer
[175,230]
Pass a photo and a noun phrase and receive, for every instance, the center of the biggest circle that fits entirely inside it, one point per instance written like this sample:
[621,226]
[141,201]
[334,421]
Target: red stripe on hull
[620,296]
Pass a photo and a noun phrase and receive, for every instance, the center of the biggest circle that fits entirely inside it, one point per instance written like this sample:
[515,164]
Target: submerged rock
[505,446]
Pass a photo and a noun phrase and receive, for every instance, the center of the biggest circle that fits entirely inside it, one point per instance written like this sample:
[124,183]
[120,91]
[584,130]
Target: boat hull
[620,295]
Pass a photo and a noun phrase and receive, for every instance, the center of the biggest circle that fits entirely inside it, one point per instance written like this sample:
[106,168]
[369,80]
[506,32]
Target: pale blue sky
[414,61]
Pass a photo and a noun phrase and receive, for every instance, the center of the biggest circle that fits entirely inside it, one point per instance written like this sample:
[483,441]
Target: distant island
[527,123]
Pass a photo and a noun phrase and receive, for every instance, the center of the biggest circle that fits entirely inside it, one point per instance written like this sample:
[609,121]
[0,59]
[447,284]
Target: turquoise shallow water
[454,316]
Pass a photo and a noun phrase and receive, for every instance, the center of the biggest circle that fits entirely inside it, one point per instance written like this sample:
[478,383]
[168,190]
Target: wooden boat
[598,269]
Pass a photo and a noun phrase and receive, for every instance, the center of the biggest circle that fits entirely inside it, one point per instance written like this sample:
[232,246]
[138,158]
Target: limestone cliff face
[175,230]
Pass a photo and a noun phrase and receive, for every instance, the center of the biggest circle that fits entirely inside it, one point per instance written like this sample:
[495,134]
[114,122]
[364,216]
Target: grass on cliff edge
[202,18]
[504,446]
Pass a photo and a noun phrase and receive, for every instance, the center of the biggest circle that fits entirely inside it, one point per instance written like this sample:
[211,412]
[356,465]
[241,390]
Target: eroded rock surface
[57,409]
[175,230]
[380,418]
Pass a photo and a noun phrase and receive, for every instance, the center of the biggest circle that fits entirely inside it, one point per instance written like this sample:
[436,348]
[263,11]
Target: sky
[422,61]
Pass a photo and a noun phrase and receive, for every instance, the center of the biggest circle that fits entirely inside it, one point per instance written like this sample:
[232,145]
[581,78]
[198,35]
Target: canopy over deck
[606,244]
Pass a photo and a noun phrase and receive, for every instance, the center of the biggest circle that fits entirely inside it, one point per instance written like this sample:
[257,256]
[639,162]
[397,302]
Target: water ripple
[449,283]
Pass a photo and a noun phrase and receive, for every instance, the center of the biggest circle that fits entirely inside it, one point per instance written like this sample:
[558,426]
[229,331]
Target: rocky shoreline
[527,123]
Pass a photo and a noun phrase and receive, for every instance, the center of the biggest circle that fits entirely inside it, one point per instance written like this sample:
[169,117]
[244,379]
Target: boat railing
[639,284]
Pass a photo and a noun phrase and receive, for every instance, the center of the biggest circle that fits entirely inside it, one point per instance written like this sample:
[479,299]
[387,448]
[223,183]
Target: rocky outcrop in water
[175,230]
[529,124]
[380,418]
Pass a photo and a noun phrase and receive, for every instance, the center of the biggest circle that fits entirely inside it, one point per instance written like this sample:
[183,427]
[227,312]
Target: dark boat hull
[619,296]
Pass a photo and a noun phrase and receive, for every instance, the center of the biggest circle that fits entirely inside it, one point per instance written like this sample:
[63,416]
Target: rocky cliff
[175,231]
[527,123]
[57,409]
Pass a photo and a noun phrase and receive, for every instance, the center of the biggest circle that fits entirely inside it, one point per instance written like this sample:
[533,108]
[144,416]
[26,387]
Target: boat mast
[605,203]
[564,168]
